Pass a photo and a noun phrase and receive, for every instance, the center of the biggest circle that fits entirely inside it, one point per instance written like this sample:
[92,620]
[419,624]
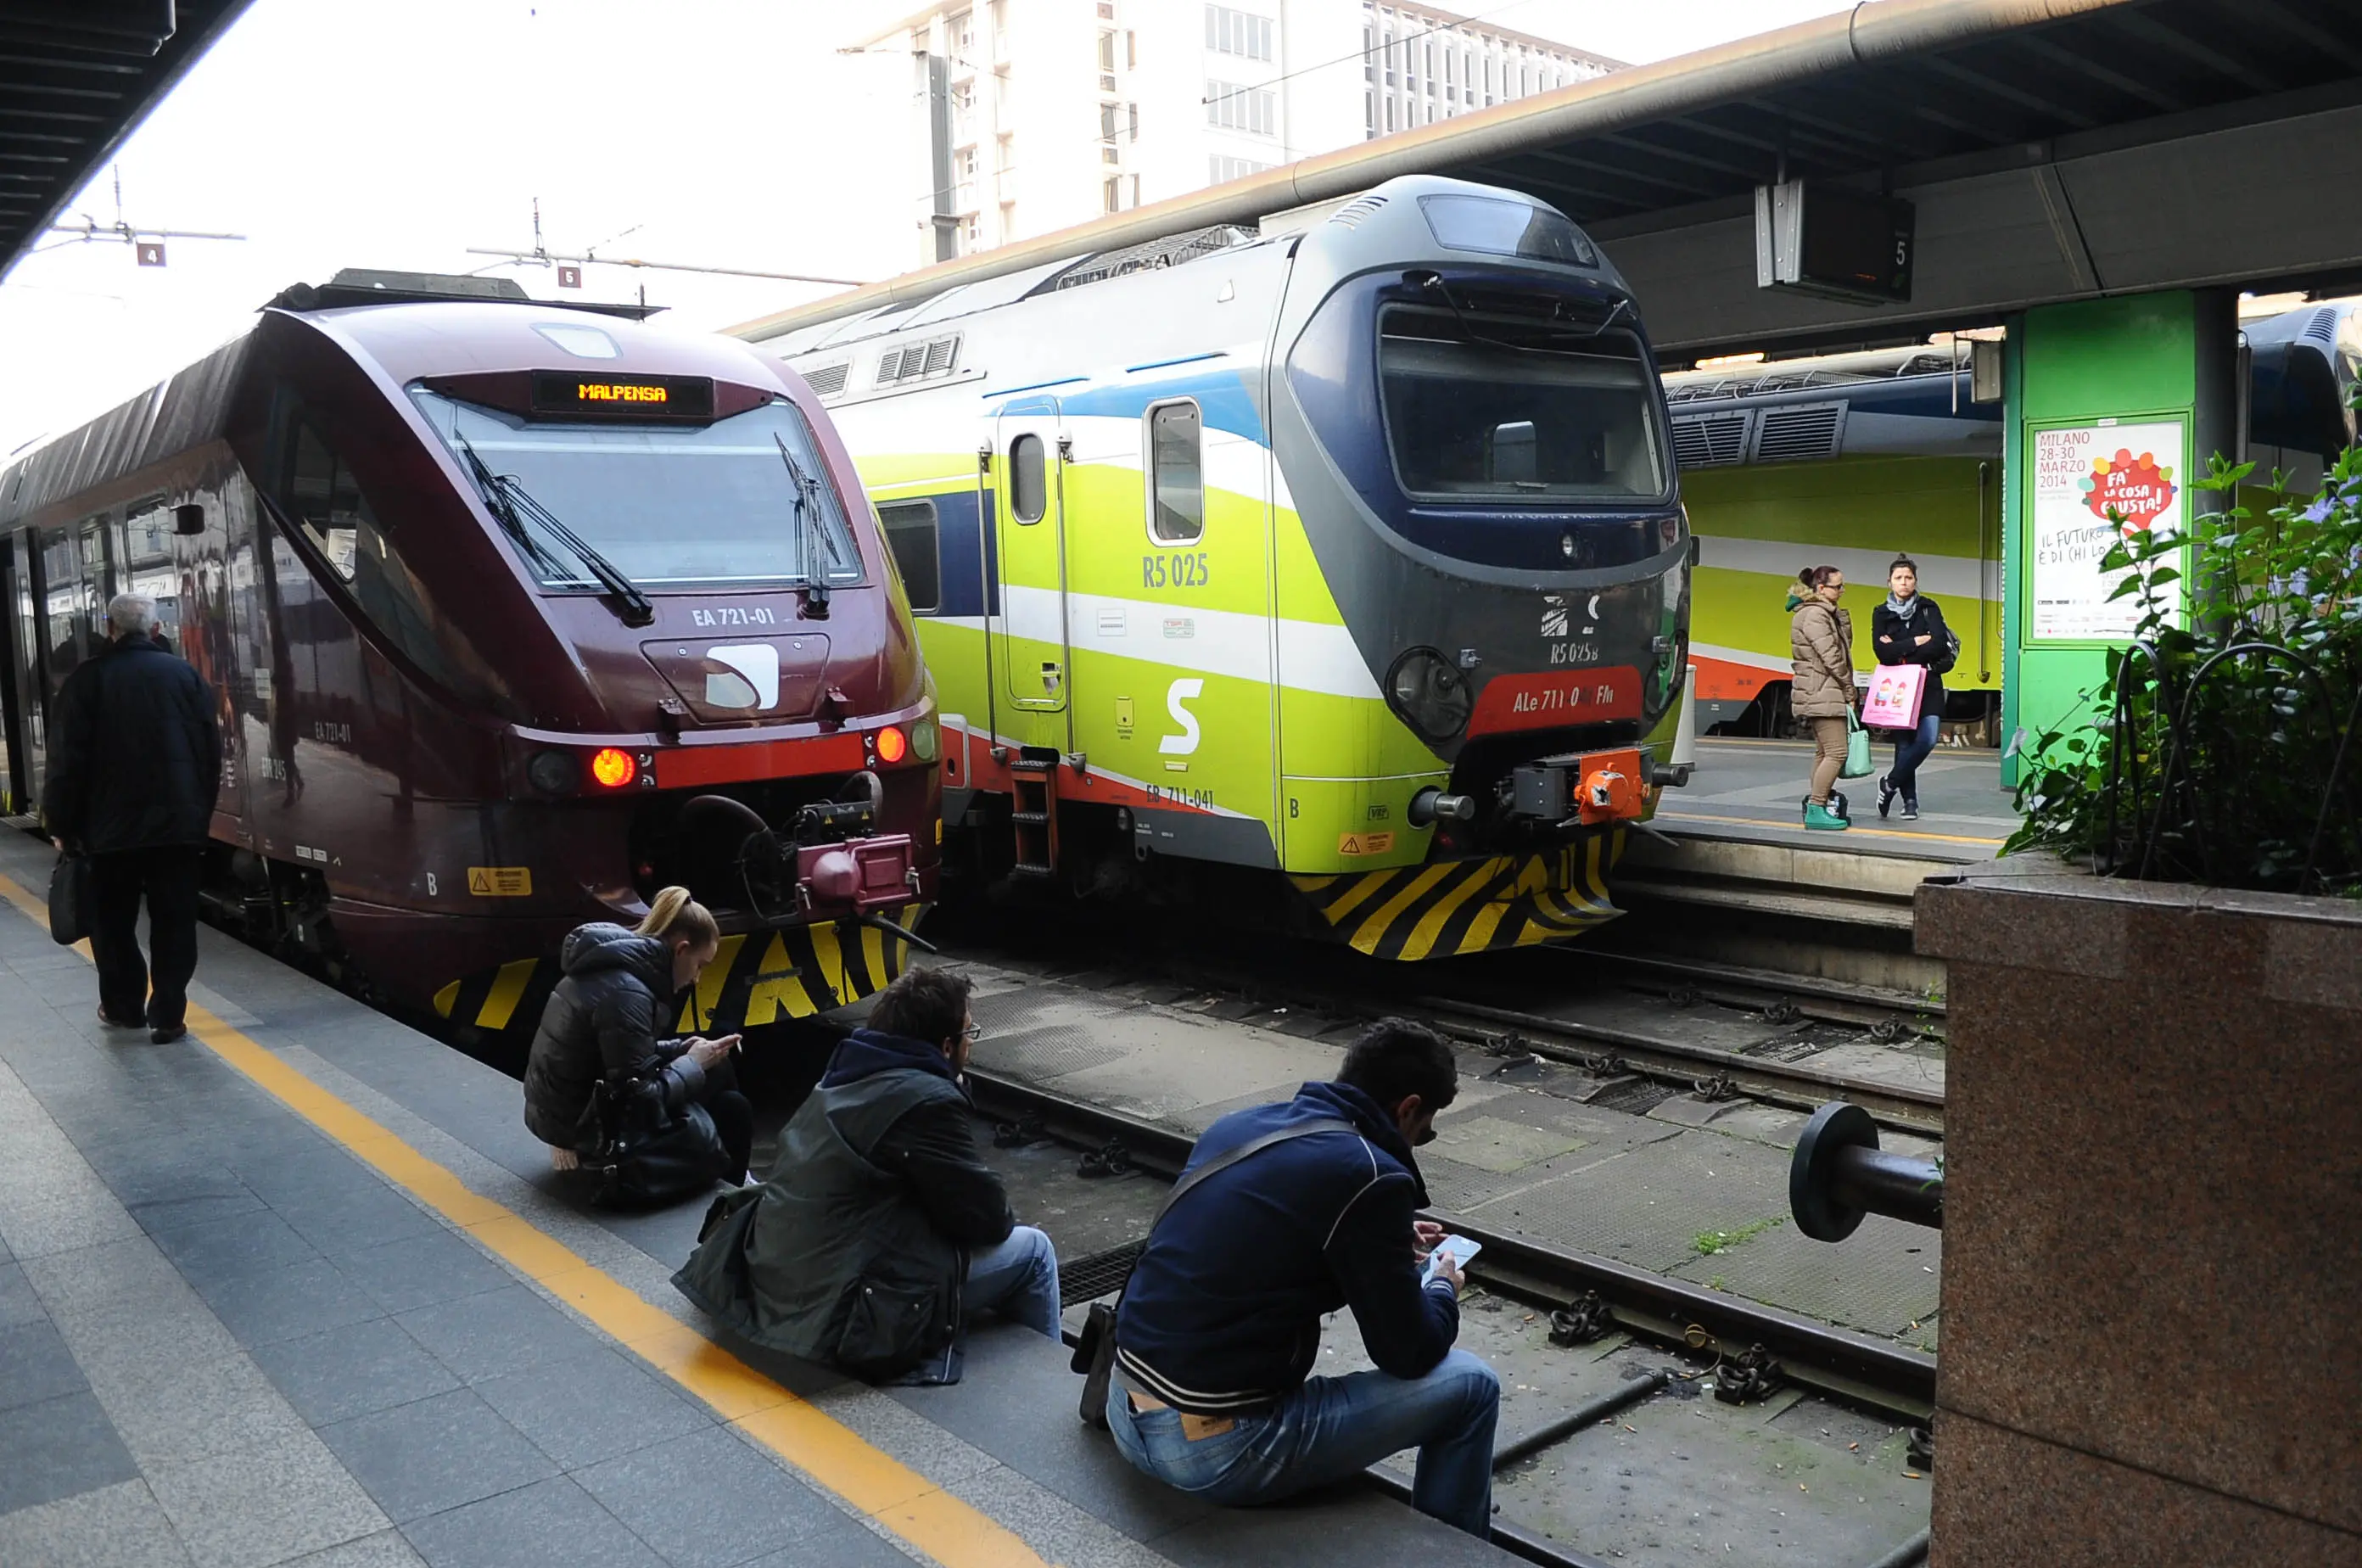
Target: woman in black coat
[1909,629]
[601,1024]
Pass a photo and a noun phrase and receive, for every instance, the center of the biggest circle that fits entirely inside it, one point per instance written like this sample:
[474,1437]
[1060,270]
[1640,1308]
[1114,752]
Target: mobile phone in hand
[1460,1249]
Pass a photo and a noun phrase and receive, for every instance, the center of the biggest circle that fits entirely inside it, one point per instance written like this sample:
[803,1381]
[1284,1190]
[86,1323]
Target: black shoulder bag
[647,1155]
[70,902]
[1095,1346]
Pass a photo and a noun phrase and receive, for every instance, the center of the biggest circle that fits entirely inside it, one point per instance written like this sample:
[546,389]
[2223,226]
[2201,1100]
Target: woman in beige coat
[1821,638]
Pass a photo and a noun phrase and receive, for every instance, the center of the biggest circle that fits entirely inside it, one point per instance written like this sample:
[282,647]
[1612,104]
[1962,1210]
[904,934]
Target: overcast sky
[337,133]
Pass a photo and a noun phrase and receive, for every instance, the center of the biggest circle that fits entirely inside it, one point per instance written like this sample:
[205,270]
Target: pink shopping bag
[1894,700]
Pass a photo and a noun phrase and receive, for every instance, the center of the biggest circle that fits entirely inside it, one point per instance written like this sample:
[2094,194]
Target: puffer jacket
[1821,639]
[601,1022]
[1896,641]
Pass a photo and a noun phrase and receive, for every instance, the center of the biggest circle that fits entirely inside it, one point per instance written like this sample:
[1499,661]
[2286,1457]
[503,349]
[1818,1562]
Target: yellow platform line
[820,1448]
[1664,816]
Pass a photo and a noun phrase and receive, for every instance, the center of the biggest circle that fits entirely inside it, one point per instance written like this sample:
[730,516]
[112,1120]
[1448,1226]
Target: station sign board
[2094,482]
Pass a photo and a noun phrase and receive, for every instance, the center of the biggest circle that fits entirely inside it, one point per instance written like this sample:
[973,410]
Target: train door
[1029,637]
[17,599]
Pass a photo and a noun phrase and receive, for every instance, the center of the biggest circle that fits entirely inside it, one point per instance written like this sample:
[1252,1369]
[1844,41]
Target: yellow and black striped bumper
[758,978]
[1457,907]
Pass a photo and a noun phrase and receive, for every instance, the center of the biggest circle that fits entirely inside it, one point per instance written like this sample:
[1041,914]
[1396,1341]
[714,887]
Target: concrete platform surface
[1749,790]
[299,1289]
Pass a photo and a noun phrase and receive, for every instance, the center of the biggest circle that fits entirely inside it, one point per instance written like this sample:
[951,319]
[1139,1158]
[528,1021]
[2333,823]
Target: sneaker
[1820,819]
[1910,807]
[1840,807]
[1886,793]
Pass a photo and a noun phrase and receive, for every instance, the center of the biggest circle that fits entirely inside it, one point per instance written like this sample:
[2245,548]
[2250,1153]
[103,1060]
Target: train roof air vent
[939,356]
[918,362]
[828,380]
[2323,328]
[1350,214]
[889,366]
[1711,440]
[1799,432]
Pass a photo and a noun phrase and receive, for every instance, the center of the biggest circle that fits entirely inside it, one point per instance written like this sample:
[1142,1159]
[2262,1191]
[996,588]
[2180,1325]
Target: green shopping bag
[1857,764]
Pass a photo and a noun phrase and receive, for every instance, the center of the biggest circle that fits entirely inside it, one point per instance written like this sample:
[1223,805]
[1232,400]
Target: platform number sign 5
[1181,691]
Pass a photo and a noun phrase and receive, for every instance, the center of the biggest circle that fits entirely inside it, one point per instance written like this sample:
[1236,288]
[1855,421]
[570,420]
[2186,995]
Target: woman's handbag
[1857,764]
[648,1156]
[70,900]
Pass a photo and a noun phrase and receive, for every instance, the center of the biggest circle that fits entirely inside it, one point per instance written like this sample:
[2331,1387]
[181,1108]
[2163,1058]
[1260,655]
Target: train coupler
[1587,786]
[1839,1174]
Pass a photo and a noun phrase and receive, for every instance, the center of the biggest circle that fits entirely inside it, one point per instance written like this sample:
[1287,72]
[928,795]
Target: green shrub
[2223,750]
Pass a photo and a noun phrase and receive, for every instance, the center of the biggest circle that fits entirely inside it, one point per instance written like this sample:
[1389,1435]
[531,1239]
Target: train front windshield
[670,507]
[1496,407]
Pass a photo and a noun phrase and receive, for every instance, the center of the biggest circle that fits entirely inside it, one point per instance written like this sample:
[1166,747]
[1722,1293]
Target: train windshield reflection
[1501,408]
[673,506]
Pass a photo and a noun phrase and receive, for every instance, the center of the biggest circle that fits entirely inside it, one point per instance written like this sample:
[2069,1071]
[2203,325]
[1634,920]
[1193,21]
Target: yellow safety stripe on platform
[1677,817]
[905,1504]
[507,989]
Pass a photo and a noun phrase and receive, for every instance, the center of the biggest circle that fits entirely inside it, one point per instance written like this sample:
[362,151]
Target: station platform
[1747,790]
[299,1289]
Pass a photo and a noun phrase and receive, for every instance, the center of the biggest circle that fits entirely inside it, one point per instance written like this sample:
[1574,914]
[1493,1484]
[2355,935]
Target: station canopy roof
[2054,150]
[76,76]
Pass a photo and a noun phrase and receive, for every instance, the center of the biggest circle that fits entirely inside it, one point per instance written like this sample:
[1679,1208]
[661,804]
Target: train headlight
[554,772]
[614,768]
[926,740]
[892,745]
[1430,695]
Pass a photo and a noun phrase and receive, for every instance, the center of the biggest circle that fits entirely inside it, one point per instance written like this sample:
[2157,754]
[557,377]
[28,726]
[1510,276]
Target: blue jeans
[1909,753]
[1332,1428]
[1018,1279]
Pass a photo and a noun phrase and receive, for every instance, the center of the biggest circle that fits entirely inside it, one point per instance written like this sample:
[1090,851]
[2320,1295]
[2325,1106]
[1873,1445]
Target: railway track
[1625,1381]
[1704,1029]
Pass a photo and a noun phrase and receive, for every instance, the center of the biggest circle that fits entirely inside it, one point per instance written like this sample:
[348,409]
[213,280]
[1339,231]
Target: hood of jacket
[590,949]
[866,1052]
[1368,1117]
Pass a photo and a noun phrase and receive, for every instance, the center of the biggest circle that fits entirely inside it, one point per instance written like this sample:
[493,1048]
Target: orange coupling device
[1610,789]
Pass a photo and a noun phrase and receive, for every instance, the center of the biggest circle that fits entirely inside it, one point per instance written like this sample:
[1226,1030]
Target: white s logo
[1186,741]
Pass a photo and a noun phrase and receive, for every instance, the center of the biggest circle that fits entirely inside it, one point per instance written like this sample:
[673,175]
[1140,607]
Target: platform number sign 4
[1179,692]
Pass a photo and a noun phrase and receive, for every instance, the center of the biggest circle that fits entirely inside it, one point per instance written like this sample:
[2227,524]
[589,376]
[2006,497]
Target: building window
[1233,108]
[1176,487]
[1390,114]
[1222,167]
[1109,113]
[1114,194]
[1132,114]
[1369,55]
[1131,52]
[1107,53]
[910,529]
[1237,32]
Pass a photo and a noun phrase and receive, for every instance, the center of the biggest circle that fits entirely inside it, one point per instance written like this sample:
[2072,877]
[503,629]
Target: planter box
[2153,1222]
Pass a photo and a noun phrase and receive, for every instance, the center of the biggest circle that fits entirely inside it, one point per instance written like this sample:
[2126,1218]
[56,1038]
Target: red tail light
[614,768]
[892,744]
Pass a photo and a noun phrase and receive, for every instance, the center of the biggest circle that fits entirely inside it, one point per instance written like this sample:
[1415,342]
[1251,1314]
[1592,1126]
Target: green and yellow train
[1339,575]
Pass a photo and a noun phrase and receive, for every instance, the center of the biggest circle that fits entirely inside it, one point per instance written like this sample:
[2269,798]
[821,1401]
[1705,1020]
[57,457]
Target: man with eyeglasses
[880,1232]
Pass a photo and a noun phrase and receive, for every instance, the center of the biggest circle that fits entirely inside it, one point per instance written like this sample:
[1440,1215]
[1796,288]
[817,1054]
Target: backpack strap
[1225,1160]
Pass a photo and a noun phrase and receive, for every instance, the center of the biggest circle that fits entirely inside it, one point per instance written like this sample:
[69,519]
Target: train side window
[61,593]
[909,528]
[144,553]
[1176,479]
[328,502]
[1029,484]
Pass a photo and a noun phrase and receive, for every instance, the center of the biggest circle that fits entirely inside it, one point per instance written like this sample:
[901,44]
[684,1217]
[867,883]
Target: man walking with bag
[135,767]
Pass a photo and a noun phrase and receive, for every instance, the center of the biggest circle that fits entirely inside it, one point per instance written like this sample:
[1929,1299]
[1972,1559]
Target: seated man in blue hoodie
[878,1232]
[1221,1322]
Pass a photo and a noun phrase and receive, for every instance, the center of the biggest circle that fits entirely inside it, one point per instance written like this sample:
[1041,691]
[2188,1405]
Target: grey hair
[131,615]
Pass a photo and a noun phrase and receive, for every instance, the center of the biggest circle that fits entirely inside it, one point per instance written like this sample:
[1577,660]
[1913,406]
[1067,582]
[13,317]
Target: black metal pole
[1839,1174]
[1596,1408]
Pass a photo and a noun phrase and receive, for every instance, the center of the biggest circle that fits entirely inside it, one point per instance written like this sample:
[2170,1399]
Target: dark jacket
[1224,1307]
[135,757]
[601,1022]
[1895,641]
[854,1248]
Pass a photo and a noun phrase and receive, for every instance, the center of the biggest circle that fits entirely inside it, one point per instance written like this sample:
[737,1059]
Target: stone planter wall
[2153,1223]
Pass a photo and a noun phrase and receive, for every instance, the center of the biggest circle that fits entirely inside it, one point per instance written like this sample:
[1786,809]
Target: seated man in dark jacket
[1221,1323]
[879,1231]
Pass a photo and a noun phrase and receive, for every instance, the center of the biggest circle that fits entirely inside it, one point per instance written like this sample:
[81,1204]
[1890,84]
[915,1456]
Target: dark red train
[517,612]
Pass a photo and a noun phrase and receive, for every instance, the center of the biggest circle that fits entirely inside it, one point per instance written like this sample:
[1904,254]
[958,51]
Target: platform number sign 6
[1185,743]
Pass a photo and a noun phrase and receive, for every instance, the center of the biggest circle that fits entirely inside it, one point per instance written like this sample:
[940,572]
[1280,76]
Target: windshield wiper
[506,497]
[808,526]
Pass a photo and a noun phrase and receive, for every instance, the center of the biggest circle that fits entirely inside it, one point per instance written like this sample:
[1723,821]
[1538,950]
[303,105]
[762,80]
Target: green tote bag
[1857,764]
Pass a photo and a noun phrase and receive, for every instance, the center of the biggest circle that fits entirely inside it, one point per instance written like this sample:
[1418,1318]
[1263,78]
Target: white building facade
[1035,115]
